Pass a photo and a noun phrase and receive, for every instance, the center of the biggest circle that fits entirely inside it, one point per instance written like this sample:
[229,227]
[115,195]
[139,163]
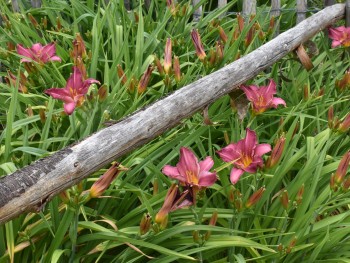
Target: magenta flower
[340,36]
[191,172]
[74,91]
[38,53]
[245,155]
[262,98]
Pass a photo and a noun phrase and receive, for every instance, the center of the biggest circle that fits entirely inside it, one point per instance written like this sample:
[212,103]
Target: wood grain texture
[29,188]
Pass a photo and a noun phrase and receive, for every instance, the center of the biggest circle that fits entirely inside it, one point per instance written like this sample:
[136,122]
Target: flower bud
[195,235]
[240,22]
[142,86]
[345,124]
[177,70]
[346,184]
[79,49]
[342,168]
[102,93]
[196,39]
[33,20]
[145,224]
[304,58]
[284,199]
[167,56]
[222,34]
[58,24]
[219,52]
[212,222]
[121,74]
[344,82]
[300,194]
[159,66]
[42,115]
[332,183]
[255,197]
[155,187]
[105,180]
[277,152]
[331,117]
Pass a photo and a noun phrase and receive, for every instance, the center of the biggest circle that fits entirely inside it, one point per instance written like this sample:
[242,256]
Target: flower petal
[229,153]
[235,175]
[270,90]
[262,149]
[36,48]
[25,52]
[173,172]
[69,107]
[278,101]
[206,164]
[249,142]
[252,92]
[61,94]
[207,178]
[188,162]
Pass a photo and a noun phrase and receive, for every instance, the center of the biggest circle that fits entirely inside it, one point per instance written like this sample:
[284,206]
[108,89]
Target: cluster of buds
[235,198]
[289,248]
[79,55]
[177,10]
[133,83]
[169,67]
[338,179]
[337,125]
[343,83]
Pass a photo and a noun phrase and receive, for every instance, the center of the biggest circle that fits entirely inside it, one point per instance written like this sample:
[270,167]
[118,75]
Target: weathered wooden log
[31,187]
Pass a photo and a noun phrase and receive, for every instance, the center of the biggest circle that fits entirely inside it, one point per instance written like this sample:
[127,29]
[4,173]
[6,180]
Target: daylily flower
[191,172]
[245,155]
[262,98]
[340,36]
[74,91]
[196,39]
[38,53]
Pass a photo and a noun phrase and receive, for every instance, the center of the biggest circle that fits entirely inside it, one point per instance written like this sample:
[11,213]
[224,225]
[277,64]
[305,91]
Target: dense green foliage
[312,226]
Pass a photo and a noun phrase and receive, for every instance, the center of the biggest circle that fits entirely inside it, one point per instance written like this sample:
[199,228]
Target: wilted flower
[141,88]
[167,56]
[191,172]
[145,224]
[340,36]
[245,155]
[38,53]
[196,39]
[262,98]
[173,200]
[73,93]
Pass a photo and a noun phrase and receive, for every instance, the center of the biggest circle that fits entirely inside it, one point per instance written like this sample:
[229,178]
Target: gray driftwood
[31,187]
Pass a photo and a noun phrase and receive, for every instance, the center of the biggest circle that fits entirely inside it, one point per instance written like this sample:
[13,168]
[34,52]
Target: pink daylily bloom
[191,172]
[262,98]
[74,91]
[245,155]
[340,36]
[38,53]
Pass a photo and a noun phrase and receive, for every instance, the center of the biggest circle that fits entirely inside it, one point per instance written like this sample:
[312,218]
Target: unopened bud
[300,194]
[177,70]
[306,92]
[346,184]
[105,180]
[102,93]
[212,222]
[121,74]
[155,187]
[159,66]
[345,124]
[284,199]
[167,56]
[196,39]
[342,168]
[255,197]
[195,235]
[145,224]
[240,22]
[33,20]
[331,117]
[222,34]
[30,111]
[142,86]
[42,115]
[277,152]
[58,24]
[44,22]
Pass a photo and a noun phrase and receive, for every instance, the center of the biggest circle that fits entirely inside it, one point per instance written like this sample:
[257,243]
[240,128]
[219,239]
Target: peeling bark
[30,188]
